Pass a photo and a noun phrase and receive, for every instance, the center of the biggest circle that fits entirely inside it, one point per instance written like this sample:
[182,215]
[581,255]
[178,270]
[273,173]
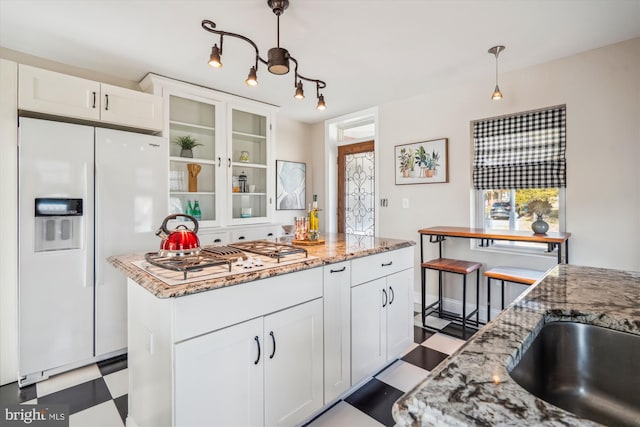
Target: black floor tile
[425,358]
[122,403]
[11,394]
[376,399]
[455,330]
[79,397]
[420,334]
[112,365]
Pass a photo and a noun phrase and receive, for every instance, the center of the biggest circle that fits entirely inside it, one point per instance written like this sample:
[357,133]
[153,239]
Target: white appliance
[85,194]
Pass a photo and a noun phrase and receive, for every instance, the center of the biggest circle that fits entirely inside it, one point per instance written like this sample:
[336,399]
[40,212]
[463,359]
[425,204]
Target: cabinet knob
[217,241]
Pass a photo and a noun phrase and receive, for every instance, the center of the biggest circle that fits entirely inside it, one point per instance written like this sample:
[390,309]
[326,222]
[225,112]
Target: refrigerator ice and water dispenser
[58,224]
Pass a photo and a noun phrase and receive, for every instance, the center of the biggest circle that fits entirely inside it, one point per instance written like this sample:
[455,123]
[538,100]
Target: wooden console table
[487,236]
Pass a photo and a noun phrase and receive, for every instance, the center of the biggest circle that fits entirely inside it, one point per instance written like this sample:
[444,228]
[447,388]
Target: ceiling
[368,52]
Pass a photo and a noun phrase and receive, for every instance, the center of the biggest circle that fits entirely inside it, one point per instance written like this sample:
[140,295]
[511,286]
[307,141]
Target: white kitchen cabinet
[193,358]
[337,329]
[293,364]
[219,377]
[381,311]
[267,367]
[49,92]
[236,138]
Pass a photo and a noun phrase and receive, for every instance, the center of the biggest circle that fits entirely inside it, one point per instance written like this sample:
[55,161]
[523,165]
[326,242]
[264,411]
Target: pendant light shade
[321,105]
[214,59]
[497,95]
[299,91]
[252,78]
[278,60]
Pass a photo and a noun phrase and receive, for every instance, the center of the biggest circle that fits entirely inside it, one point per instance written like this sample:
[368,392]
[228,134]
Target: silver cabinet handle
[340,270]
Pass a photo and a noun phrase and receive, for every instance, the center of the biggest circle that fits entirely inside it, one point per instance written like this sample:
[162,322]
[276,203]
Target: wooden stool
[523,276]
[446,265]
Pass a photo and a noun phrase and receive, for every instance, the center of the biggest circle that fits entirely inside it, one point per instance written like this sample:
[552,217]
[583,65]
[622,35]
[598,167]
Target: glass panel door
[249,159]
[192,164]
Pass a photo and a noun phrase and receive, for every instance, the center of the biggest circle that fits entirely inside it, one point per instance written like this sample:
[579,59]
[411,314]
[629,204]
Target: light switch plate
[405,203]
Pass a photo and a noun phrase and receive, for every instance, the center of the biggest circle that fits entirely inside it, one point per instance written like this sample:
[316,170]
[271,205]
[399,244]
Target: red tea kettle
[181,241]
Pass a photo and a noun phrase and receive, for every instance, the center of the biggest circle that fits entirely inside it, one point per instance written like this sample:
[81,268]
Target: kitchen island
[266,346]
[473,386]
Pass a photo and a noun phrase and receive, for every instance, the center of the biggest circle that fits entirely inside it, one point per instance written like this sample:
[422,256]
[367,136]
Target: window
[518,160]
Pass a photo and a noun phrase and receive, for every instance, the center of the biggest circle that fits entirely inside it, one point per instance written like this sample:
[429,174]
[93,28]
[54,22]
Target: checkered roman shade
[522,151]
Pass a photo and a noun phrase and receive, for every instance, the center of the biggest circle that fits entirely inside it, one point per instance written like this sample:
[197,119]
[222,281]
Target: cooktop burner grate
[226,252]
[186,263]
[270,249]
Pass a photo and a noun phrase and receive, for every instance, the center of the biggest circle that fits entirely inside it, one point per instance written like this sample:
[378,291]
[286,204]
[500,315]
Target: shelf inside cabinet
[192,160]
[248,165]
[249,136]
[249,194]
[179,124]
[203,193]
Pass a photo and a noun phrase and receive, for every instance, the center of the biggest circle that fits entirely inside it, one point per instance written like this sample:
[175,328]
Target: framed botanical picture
[423,162]
[290,185]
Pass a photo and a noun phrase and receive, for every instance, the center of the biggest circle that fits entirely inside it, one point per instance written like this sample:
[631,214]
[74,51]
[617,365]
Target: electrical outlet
[405,203]
[148,340]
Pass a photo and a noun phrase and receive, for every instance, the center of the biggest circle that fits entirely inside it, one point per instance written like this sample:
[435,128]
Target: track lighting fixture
[496,51]
[278,58]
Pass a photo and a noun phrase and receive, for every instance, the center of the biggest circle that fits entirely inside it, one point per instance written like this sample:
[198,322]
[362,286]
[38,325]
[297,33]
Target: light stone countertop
[472,386]
[337,248]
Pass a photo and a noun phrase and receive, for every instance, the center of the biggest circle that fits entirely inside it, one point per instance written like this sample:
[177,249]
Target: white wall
[293,143]
[601,89]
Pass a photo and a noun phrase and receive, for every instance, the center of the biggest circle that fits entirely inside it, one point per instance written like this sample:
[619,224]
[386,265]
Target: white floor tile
[403,376]
[118,382]
[443,343]
[436,322]
[103,415]
[68,379]
[344,414]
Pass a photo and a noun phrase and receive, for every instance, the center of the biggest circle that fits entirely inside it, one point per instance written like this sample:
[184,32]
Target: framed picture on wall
[423,162]
[290,185]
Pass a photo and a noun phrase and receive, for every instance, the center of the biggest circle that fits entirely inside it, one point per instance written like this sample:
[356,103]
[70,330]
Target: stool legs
[464,302]
[502,284]
[424,298]
[488,299]
[477,297]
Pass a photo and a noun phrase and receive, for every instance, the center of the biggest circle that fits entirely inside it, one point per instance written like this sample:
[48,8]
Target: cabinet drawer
[379,265]
[208,311]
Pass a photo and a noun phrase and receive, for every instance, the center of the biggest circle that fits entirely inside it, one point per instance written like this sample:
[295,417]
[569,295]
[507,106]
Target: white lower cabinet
[381,322]
[218,381]
[337,329]
[266,371]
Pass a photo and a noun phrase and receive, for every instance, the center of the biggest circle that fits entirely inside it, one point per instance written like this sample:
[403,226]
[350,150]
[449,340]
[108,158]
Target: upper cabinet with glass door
[231,168]
[193,158]
[249,152]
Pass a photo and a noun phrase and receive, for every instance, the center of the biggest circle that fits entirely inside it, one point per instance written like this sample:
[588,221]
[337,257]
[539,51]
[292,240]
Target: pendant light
[278,58]
[496,92]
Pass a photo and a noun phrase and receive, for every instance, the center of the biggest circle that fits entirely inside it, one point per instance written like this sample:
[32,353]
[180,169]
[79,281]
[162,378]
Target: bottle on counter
[197,214]
[314,232]
[189,210]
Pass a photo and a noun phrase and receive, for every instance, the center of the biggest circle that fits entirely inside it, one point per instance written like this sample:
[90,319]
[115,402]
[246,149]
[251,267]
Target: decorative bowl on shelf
[244,156]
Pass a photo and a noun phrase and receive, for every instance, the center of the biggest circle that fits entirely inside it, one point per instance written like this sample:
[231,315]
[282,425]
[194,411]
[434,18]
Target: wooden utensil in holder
[194,169]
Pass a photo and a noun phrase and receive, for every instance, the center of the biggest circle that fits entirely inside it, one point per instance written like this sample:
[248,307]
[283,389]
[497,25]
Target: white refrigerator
[85,194]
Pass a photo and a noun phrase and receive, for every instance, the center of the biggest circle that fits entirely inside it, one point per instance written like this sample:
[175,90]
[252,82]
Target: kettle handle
[163,227]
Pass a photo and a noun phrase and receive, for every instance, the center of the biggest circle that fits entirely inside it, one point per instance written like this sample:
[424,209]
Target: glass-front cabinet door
[194,159]
[250,156]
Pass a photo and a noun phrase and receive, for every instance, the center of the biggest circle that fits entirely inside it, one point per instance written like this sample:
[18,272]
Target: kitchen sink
[588,370]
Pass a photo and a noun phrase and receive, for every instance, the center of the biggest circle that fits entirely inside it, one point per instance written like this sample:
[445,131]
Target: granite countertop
[472,387]
[337,248]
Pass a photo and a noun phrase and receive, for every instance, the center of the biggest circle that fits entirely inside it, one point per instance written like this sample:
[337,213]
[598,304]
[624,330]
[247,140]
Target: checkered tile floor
[97,394]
